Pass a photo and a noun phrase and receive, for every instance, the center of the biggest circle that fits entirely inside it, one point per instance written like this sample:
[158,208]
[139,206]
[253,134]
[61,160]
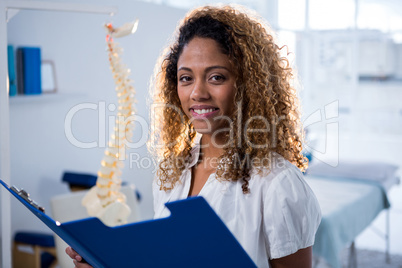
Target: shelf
[45,97]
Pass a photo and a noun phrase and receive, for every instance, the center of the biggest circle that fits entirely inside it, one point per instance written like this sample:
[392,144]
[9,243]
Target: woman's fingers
[73,254]
[76,258]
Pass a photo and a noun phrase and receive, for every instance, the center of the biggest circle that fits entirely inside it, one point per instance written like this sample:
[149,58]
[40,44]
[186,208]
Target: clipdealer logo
[328,115]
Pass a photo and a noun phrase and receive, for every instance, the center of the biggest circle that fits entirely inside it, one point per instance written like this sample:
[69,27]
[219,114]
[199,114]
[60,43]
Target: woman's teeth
[203,111]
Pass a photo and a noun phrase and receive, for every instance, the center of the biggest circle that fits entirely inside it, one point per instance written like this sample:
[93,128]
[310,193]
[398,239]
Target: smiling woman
[230,131]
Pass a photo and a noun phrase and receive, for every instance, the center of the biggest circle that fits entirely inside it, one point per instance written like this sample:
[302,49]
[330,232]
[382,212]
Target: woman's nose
[200,91]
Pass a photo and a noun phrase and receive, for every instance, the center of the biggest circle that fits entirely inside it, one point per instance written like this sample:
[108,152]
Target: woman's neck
[210,150]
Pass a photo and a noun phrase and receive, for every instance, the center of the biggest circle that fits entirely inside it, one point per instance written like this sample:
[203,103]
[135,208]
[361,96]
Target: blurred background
[348,57]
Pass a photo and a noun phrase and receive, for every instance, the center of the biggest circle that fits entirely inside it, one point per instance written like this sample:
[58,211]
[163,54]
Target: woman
[230,131]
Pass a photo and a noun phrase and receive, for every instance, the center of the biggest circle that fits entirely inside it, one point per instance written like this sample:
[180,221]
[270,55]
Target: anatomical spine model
[104,200]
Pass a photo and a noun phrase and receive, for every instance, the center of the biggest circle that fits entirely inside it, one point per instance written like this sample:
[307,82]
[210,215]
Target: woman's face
[206,86]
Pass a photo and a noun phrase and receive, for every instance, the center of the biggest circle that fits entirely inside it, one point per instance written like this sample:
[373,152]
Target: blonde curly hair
[265,99]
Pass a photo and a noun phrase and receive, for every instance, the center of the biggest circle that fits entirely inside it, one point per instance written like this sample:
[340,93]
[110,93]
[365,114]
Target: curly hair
[266,102]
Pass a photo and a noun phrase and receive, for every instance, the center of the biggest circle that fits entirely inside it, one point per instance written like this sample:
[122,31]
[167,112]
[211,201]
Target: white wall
[40,150]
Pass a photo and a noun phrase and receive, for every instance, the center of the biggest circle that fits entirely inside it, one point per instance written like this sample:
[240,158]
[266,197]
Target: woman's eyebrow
[184,69]
[207,69]
[217,67]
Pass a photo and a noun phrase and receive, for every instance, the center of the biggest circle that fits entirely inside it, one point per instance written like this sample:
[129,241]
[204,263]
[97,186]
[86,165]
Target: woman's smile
[203,111]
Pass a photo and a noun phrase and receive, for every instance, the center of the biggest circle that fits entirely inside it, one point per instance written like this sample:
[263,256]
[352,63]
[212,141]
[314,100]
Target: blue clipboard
[192,236]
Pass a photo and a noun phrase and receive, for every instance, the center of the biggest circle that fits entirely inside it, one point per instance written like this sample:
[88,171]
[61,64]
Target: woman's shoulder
[281,179]
[274,168]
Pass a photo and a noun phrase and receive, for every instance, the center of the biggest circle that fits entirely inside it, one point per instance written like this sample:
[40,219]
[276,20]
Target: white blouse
[278,217]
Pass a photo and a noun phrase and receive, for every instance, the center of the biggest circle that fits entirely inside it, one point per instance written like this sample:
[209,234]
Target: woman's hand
[77,258]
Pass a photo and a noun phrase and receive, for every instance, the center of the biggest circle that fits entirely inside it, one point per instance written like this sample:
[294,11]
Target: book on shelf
[29,70]
[20,72]
[11,71]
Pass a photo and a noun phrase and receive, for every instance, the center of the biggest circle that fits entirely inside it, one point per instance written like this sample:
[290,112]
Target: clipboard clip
[25,195]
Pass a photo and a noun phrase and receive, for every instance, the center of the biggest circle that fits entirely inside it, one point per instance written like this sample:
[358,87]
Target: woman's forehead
[203,52]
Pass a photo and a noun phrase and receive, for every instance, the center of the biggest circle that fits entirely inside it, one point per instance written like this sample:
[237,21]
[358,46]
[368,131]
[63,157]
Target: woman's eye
[185,79]
[217,78]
